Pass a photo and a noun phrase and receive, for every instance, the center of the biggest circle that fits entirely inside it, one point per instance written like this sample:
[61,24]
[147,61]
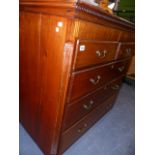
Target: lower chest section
[98,68]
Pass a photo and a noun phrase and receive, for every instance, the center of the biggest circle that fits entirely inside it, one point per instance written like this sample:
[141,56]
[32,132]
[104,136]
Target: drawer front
[89,30]
[126,50]
[78,109]
[127,36]
[88,80]
[73,133]
[89,53]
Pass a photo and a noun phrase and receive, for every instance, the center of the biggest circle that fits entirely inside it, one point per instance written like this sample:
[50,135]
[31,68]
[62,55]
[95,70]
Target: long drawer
[93,31]
[86,81]
[73,133]
[79,108]
[127,37]
[89,53]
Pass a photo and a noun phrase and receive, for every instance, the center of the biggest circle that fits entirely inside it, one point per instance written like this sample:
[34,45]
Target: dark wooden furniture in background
[73,57]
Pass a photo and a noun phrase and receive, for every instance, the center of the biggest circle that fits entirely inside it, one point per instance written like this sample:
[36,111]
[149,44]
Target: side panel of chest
[44,57]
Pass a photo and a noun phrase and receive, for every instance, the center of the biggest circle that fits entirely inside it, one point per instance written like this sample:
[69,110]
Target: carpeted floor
[113,134]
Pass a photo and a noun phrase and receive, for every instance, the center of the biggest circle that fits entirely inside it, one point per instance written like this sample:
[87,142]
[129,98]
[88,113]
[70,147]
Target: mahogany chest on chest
[73,57]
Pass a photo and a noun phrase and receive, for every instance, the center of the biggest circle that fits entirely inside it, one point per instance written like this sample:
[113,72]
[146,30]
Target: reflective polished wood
[54,74]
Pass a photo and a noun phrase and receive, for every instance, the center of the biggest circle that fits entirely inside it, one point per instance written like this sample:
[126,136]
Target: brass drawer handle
[83,128]
[121,69]
[89,106]
[128,51]
[95,81]
[115,87]
[101,54]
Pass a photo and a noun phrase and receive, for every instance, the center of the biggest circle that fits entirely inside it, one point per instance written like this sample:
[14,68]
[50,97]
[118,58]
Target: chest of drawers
[73,57]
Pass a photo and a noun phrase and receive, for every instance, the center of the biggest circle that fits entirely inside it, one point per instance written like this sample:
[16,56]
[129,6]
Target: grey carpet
[113,134]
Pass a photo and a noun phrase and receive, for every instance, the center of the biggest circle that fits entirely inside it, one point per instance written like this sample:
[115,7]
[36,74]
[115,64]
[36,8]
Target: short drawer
[72,134]
[86,81]
[126,50]
[79,108]
[90,53]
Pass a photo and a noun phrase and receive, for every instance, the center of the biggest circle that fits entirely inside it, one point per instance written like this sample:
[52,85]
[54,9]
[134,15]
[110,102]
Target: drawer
[89,53]
[93,31]
[83,82]
[73,133]
[126,50]
[79,108]
[127,36]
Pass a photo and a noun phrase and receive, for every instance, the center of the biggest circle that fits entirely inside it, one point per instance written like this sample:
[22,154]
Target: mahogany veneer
[94,53]
[73,57]
[84,105]
[85,81]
